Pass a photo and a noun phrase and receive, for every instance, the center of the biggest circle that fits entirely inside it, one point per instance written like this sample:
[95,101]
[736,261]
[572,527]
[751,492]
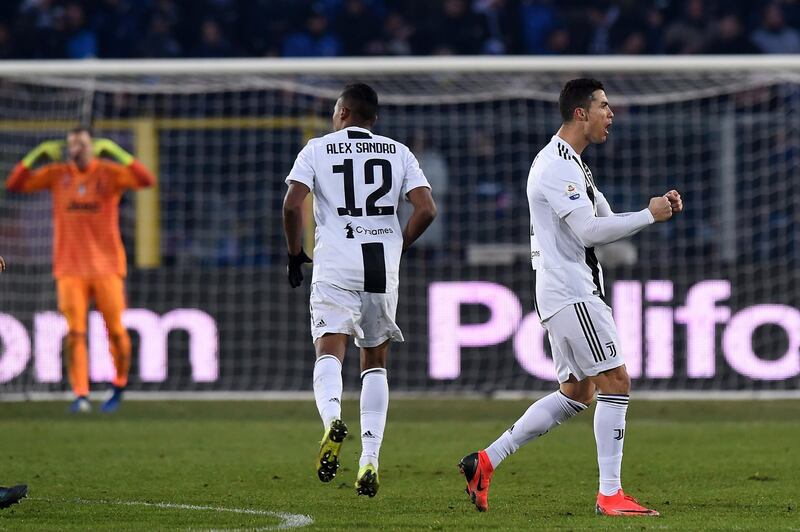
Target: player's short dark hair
[81,129]
[577,93]
[362,100]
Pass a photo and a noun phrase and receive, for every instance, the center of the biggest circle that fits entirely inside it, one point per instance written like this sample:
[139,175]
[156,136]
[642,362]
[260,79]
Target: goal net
[708,301]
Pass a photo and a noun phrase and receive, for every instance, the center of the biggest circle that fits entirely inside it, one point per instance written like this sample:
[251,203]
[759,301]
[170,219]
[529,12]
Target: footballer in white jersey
[357,179]
[569,217]
[565,270]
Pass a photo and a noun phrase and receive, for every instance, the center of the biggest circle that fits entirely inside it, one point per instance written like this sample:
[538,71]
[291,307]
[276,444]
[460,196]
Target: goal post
[708,301]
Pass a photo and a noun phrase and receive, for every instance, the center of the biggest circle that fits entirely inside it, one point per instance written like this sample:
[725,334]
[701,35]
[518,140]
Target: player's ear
[580,114]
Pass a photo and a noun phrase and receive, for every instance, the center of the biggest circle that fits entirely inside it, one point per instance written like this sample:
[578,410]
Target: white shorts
[584,341]
[367,316]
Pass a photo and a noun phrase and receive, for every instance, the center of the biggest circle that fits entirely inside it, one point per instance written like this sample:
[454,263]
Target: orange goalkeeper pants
[108,292]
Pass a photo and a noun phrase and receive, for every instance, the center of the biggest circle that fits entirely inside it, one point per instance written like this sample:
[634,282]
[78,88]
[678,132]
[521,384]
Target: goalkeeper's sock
[328,388]
[374,406]
[609,433]
[542,416]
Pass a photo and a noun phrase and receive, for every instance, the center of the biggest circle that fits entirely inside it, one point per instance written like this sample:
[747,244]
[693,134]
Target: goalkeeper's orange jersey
[86,237]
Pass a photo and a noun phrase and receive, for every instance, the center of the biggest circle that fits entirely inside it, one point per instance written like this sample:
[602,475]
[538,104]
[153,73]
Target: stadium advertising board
[466,335]
[641,310]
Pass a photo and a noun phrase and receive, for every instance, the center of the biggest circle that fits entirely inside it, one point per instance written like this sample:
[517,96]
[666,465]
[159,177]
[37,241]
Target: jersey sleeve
[303,168]
[594,230]
[603,207]
[414,178]
[23,179]
[132,177]
[564,186]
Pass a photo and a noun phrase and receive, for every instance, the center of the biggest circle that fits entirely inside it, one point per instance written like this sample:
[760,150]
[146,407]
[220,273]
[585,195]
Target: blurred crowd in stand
[53,29]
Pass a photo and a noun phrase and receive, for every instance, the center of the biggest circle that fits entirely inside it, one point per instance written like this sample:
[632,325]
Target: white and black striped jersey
[357,179]
[565,271]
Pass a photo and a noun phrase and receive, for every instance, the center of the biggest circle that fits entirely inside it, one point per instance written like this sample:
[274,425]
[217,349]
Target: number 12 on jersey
[371,166]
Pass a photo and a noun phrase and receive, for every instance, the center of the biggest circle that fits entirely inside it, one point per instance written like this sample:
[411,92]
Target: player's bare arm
[424,213]
[293,229]
[2,265]
[293,216]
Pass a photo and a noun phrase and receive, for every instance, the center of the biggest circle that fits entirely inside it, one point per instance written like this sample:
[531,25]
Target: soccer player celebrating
[88,257]
[357,179]
[569,217]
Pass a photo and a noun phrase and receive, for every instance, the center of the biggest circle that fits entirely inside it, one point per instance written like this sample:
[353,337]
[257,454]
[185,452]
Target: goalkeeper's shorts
[367,316]
[108,292]
[584,340]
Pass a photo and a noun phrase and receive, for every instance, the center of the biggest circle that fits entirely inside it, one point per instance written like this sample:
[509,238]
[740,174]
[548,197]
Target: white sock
[374,406]
[542,415]
[328,388]
[609,433]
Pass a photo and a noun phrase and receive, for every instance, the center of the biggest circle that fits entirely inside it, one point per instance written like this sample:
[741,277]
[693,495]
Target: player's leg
[609,432]
[374,402]
[609,426]
[572,397]
[374,408]
[73,302]
[332,324]
[109,296]
[376,329]
[601,360]
[543,415]
[330,350]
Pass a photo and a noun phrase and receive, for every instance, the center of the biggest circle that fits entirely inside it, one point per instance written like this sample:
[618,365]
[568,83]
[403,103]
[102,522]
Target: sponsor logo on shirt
[83,206]
[352,231]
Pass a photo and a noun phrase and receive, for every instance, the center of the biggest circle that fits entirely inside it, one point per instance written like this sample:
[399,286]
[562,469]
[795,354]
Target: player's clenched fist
[675,200]
[661,208]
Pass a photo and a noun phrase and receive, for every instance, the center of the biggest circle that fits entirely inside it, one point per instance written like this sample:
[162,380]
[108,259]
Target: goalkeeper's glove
[48,148]
[295,270]
[113,150]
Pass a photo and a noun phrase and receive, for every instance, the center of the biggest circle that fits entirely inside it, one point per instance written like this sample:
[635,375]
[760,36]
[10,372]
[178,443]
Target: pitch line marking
[288,520]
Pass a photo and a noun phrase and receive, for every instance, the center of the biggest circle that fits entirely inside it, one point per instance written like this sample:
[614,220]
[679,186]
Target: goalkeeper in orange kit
[88,257]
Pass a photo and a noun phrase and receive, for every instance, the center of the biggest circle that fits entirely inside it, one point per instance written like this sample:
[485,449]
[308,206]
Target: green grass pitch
[704,465]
